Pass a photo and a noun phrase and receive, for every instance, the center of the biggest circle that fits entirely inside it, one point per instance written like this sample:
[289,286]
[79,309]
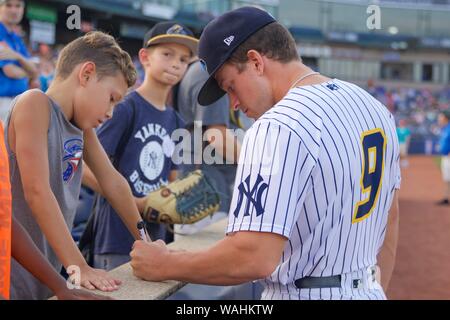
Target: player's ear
[87,72]
[256,61]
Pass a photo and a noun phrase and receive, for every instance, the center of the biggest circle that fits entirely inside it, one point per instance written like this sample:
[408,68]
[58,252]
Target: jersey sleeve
[398,176]
[395,175]
[273,173]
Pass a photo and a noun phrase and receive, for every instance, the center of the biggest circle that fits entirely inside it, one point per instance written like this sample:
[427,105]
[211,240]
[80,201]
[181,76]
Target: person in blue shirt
[404,137]
[444,145]
[138,139]
[47,73]
[16,68]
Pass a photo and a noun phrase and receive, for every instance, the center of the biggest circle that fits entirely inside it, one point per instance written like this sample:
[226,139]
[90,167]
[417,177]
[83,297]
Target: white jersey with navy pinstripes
[320,168]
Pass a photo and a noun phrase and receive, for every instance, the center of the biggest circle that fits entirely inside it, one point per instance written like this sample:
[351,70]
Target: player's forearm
[387,254]
[117,191]
[28,255]
[47,213]
[222,264]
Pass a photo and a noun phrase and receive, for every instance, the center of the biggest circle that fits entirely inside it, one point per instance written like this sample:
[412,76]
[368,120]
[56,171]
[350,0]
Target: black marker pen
[142,231]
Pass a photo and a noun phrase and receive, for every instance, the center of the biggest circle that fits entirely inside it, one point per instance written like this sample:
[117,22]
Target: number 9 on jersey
[373,146]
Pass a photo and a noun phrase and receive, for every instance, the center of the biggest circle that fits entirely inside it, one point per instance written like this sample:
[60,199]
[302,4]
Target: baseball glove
[183,201]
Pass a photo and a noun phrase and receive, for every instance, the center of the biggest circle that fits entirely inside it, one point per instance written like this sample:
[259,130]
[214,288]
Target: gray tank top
[65,148]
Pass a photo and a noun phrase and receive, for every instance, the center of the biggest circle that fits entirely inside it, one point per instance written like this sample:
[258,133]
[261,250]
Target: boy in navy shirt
[138,138]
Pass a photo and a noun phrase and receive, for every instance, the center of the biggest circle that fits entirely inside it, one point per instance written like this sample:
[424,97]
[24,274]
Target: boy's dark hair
[273,41]
[103,50]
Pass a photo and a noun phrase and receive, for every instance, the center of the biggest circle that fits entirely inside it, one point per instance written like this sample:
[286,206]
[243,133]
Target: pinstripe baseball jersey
[320,168]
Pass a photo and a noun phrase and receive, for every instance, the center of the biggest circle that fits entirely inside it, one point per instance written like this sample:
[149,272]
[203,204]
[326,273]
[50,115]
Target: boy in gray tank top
[48,136]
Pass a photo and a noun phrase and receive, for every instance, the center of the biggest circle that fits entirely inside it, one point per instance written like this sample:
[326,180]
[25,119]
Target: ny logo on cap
[228,40]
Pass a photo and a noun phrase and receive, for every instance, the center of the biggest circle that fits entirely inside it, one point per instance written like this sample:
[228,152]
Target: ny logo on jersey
[332,87]
[253,195]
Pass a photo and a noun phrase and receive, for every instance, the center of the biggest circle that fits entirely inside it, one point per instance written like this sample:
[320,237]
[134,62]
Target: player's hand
[147,260]
[76,294]
[98,279]
[6,53]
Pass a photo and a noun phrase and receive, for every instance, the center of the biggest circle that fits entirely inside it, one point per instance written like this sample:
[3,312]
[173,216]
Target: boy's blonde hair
[103,50]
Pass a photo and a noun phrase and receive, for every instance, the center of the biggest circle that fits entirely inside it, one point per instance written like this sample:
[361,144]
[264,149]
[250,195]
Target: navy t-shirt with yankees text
[138,139]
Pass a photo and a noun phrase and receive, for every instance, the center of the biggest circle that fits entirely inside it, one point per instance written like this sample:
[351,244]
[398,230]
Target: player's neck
[284,75]
[295,77]
[154,92]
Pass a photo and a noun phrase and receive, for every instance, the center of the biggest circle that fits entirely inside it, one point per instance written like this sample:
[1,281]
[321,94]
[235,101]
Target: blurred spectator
[140,71]
[418,107]
[16,68]
[45,52]
[444,145]
[46,73]
[404,135]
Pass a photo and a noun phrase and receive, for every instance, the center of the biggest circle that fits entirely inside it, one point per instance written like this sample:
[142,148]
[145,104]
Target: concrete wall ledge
[133,288]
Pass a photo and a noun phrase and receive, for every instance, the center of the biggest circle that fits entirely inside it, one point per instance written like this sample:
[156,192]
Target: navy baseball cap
[171,32]
[219,40]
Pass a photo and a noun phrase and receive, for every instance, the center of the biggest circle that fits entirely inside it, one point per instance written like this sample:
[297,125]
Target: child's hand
[75,294]
[98,279]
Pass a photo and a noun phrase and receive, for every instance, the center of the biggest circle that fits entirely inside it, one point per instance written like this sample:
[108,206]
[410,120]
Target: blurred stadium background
[405,64]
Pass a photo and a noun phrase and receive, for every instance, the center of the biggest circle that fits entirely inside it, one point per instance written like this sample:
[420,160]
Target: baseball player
[316,180]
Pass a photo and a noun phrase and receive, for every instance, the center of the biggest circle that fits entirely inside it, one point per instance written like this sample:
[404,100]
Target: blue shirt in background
[403,134]
[45,81]
[12,87]
[138,139]
[444,142]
